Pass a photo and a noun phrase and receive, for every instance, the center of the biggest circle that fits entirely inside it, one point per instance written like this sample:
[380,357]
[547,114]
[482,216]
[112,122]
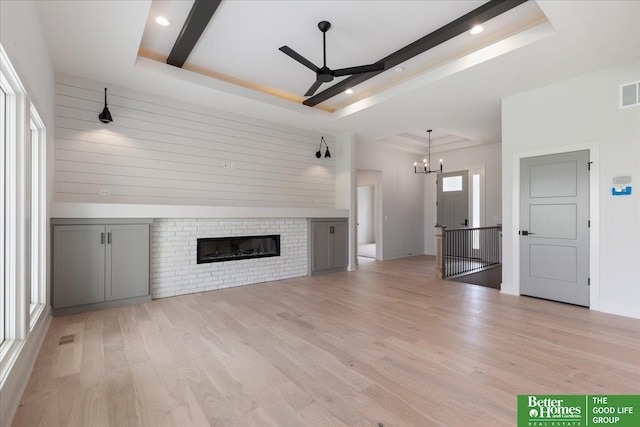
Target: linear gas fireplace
[218,249]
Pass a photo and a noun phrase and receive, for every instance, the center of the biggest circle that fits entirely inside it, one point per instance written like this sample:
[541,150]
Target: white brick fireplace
[173,254]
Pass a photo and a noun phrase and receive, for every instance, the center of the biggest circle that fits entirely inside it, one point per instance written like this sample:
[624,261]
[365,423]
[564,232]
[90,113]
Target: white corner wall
[24,42]
[486,157]
[346,188]
[582,112]
[162,151]
[402,196]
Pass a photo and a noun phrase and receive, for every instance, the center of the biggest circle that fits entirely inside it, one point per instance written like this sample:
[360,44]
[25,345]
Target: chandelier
[426,163]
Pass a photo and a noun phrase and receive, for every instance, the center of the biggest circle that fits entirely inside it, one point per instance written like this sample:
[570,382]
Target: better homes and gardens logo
[554,410]
[578,410]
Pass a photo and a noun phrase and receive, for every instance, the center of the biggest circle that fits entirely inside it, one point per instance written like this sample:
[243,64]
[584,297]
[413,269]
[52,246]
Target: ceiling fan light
[161,20]
[477,29]
[348,91]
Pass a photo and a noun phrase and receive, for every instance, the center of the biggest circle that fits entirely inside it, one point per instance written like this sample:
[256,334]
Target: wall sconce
[105,116]
[327,154]
[426,163]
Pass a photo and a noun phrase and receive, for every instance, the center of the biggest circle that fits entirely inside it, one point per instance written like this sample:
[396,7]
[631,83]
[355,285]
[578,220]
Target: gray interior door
[453,210]
[554,230]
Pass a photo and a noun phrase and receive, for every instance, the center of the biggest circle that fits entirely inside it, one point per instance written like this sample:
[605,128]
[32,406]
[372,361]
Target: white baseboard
[402,254]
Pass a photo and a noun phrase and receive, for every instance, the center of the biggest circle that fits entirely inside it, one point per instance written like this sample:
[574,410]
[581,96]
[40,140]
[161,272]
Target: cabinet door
[340,244]
[78,265]
[127,265]
[321,258]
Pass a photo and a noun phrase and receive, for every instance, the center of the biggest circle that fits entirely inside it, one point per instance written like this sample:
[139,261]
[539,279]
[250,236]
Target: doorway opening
[366,229]
[369,212]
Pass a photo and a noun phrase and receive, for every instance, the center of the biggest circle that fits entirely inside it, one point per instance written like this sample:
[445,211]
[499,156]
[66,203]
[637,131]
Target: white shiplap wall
[162,151]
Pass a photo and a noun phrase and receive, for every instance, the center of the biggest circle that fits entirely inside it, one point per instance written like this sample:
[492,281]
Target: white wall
[487,157]
[365,214]
[163,151]
[402,197]
[346,188]
[578,112]
[22,37]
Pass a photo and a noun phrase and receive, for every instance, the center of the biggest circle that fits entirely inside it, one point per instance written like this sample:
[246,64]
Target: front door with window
[554,227]
[453,209]
[453,199]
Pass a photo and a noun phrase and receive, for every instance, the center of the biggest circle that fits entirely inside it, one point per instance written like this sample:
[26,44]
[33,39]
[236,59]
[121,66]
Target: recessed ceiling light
[348,91]
[477,29]
[399,69]
[161,20]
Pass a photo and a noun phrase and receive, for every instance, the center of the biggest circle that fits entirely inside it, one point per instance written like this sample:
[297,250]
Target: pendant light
[426,163]
[105,116]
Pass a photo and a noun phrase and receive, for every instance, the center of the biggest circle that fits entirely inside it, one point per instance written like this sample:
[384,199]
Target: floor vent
[630,94]
[67,339]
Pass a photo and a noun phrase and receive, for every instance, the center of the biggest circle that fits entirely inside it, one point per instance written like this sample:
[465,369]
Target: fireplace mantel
[113,210]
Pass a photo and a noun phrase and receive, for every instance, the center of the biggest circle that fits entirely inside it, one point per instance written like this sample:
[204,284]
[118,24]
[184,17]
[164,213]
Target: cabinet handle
[331,229]
[109,237]
[102,238]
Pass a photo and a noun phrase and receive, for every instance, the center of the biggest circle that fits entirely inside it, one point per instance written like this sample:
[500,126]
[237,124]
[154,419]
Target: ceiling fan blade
[314,87]
[301,59]
[378,66]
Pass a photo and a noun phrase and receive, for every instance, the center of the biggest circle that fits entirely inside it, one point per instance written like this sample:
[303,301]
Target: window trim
[3,205]
[38,235]
[15,290]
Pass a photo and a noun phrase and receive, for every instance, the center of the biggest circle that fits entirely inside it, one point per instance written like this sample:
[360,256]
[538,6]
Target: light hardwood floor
[388,345]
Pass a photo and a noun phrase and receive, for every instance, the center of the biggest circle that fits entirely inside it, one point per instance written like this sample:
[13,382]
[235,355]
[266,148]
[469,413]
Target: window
[475,208]
[36,220]
[22,216]
[452,183]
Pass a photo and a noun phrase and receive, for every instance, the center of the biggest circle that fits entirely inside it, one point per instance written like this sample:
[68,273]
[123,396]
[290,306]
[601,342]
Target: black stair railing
[470,250]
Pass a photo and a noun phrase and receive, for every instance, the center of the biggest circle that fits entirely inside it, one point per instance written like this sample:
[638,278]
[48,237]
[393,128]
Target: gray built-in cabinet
[328,245]
[99,265]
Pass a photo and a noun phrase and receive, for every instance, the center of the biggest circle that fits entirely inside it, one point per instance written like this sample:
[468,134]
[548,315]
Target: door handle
[102,238]
[109,237]
[525,233]
[466,222]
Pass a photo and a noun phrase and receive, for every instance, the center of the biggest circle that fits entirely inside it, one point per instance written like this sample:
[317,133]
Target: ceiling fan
[326,74]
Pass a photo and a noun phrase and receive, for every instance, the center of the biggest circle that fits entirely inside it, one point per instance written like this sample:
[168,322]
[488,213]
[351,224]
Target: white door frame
[594,214]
